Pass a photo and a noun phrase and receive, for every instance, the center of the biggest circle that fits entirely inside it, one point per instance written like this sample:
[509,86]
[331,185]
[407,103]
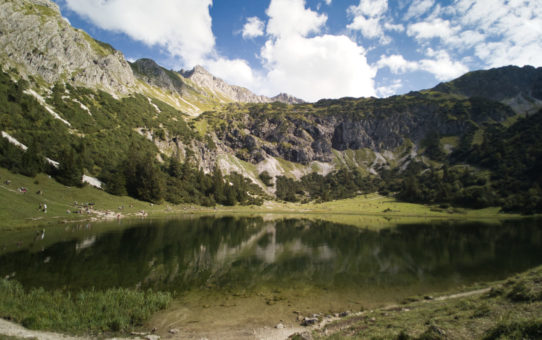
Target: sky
[316,49]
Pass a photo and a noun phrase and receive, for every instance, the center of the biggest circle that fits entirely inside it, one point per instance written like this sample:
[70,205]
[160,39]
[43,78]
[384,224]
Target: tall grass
[117,310]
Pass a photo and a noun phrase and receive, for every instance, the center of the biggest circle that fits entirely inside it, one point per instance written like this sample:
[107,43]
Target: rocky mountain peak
[38,42]
[286,98]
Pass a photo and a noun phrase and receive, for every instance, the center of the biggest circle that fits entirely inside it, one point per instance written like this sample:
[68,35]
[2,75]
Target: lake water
[260,270]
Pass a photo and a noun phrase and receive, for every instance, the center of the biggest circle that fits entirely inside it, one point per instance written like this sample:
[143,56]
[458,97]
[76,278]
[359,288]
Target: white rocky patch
[53,163]
[154,105]
[271,165]
[323,168]
[83,106]
[92,181]
[196,109]
[23,147]
[14,141]
[47,107]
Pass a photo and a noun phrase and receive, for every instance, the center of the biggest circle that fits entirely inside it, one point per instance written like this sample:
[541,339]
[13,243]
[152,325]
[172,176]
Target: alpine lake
[237,272]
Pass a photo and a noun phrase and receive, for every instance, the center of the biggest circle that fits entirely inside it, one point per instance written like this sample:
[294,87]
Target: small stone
[428,297]
[309,321]
[173,331]
[279,326]
[344,314]
[152,337]
[372,319]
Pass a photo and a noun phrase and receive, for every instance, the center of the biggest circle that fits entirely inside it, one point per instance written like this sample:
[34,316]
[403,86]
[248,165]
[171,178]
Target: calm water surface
[247,265]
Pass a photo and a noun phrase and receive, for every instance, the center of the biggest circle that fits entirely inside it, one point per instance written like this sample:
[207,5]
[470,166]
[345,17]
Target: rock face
[152,73]
[286,98]
[209,83]
[304,134]
[205,80]
[35,39]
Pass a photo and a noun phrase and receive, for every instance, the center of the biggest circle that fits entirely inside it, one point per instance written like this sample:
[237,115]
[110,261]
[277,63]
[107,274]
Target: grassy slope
[511,309]
[21,210]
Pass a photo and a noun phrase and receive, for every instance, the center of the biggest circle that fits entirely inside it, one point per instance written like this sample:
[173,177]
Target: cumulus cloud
[367,18]
[325,66]
[253,28]
[183,28]
[397,64]
[312,67]
[442,66]
[235,71]
[290,17]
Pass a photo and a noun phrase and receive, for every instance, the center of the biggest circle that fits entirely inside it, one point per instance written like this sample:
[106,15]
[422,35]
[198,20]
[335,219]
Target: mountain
[70,105]
[518,87]
[38,42]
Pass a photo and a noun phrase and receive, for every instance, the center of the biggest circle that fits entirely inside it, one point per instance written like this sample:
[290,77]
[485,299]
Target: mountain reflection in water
[233,253]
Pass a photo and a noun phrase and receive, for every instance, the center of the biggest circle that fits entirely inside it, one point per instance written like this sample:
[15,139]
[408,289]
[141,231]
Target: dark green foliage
[431,143]
[266,178]
[343,183]
[529,330]
[514,156]
[70,169]
[92,311]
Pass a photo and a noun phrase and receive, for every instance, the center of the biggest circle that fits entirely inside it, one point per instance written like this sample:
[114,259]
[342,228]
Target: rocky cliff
[36,40]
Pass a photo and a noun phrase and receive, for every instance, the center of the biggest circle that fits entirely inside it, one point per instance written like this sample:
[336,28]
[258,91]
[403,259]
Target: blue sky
[320,48]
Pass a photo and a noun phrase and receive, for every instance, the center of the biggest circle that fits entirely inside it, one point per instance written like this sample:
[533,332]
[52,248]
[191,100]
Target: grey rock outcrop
[286,98]
[37,41]
[216,86]
[152,73]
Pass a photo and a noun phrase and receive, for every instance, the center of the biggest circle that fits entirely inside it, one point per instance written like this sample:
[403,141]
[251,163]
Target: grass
[495,314]
[21,210]
[86,312]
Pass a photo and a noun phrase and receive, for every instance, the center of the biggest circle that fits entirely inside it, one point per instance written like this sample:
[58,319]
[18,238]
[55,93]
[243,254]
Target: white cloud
[442,66]
[253,28]
[367,17]
[438,63]
[397,64]
[370,8]
[388,26]
[322,66]
[182,27]
[328,2]
[437,28]
[325,66]
[369,27]
[500,32]
[418,8]
[290,17]
[389,90]
[235,71]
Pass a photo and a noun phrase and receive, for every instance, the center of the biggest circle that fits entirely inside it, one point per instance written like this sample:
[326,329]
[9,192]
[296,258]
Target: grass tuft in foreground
[116,310]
